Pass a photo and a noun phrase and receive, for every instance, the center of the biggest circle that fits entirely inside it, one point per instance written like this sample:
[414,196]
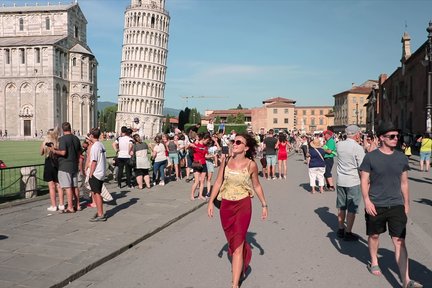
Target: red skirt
[235,218]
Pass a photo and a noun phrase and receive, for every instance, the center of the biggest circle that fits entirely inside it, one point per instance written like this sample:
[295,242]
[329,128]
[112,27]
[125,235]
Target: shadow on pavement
[360,251]
[420,180]
[424,201]
[3,237]
[306,187]
[250,238]
[120,207]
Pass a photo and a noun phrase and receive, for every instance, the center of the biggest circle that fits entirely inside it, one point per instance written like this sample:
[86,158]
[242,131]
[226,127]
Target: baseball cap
[328,132]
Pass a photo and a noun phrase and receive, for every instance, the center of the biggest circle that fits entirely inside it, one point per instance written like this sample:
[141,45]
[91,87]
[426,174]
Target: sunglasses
[238,142]
[392,136]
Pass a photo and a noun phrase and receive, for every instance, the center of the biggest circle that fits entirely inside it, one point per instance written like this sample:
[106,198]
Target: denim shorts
[271,160]
[348,198]
[425,156]
[174,156]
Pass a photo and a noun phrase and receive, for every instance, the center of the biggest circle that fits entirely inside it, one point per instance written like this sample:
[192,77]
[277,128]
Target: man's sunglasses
[238,142]
[392,136]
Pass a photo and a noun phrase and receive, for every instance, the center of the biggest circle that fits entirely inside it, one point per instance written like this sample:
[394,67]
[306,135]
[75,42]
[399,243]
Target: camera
[49,144]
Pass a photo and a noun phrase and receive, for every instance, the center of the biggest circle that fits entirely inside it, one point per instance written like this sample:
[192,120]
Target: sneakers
[161,183]
[97,218]
[341,233]
[61,207]
[349,236]
[52,208]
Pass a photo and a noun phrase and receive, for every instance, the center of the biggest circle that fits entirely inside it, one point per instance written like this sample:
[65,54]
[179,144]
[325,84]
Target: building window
[74,61]
[286,120]
[275,111]
[312,122]
[47,23]
[286,111]
[275,121]
[304,112]
[76,31]
[354,99]
[321,121]
[37,55]
[7,56]
[312,112]
[22,55]
[21,24]
[321,112]
[153,22]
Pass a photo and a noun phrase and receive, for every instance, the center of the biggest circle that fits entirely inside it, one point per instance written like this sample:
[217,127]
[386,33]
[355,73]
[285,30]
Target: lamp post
[372,102]
[428,58]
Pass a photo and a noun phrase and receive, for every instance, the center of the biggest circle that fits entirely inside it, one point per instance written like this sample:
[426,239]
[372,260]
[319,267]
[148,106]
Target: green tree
[167,125]
[239,107]
[231,119]
[239,119]
[194,116]
[182,120]
[106,118]
[187,115]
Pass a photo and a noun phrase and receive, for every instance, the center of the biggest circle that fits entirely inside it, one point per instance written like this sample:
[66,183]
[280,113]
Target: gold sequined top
[236,185]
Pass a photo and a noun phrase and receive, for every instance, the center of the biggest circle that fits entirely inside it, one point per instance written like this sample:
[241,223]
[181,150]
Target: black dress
[50,170]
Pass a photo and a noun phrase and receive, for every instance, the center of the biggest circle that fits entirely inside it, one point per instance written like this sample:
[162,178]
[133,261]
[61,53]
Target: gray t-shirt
[270,145]
[71,144]
[385,177]
[350,156]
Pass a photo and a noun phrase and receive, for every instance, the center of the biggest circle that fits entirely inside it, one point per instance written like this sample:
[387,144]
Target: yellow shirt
[236,185]
[426,145]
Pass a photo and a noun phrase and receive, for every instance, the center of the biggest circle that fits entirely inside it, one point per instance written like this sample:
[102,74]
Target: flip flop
[68,211]
[413,284]
[374,270]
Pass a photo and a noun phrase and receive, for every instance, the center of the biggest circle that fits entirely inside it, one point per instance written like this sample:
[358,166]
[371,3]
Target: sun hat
[385,127]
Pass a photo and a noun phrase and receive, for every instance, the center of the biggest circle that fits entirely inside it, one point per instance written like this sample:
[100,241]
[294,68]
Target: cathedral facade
[47,71]
[143,66]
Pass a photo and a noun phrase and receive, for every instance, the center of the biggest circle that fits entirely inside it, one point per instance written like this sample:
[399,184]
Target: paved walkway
[49,249]
[43,249]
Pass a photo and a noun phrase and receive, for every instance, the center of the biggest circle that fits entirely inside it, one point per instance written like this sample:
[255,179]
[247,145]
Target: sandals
[413,284]
[374,270]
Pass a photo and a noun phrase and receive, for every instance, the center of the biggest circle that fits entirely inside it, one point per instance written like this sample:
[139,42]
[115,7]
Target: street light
[428,60]
[372,102]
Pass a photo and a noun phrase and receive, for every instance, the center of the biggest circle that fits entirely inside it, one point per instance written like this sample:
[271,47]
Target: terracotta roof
[280,104]
[215,113]
[279,99]
[355,90]
[314,107]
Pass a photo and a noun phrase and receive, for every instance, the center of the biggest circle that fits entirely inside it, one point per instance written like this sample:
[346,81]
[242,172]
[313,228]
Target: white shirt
[97,154]
[160,152]
[124,142]
[210,127]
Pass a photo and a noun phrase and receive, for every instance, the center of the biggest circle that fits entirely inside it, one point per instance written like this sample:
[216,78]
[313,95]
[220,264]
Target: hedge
[239,128]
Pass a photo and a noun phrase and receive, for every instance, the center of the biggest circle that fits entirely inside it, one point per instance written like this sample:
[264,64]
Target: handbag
[216,202]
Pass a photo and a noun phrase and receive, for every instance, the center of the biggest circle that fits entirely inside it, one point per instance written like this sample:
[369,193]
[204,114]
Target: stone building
[143,65]
[402,97]
[47,71]
[313,119]
[349,106]
[276,113]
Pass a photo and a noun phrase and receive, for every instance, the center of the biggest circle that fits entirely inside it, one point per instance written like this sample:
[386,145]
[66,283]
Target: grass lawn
[26,153]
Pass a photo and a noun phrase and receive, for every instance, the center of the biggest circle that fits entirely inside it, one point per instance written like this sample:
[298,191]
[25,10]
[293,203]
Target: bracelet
[264,206]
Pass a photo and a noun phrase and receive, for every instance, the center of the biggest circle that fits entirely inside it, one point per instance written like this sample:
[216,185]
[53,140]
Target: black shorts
[95,185]
[393,216]
[141,172]
[328,168]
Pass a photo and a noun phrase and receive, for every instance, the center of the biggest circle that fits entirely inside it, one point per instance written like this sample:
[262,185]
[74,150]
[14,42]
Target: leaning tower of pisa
[143,65]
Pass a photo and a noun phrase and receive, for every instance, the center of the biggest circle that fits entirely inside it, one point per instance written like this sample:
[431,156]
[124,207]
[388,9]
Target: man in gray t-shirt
[270,151]
[384,185]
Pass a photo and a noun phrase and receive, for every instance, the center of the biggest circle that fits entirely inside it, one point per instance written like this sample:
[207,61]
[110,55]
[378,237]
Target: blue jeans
[159,167]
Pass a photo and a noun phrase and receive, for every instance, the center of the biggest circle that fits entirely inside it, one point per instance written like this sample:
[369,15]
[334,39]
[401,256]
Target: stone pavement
[50,249]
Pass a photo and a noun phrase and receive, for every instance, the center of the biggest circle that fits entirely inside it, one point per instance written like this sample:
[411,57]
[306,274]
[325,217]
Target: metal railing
[14,180]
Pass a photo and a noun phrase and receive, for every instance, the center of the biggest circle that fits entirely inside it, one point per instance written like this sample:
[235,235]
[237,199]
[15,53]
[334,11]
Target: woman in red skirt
[235,187]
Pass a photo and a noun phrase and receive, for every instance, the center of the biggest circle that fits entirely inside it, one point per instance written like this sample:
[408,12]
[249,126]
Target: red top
[200,150]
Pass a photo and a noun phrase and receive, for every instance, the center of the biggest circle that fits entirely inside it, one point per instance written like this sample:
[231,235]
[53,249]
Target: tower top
[152,3]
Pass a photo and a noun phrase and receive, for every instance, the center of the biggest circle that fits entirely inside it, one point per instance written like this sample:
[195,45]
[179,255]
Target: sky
[245,51]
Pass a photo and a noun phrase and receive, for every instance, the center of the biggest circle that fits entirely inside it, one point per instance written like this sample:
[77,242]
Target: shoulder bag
[216,202]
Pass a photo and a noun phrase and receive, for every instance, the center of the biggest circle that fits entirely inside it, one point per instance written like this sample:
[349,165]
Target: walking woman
[142,163]
[425,152]
[200,150]
[282,145]
[236,184]
[51,169]
[160,162]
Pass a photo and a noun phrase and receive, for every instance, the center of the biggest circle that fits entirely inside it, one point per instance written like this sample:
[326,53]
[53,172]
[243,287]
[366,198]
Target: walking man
[330,149]
[69,152]
[348,194]
[384,185]
[97,173]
